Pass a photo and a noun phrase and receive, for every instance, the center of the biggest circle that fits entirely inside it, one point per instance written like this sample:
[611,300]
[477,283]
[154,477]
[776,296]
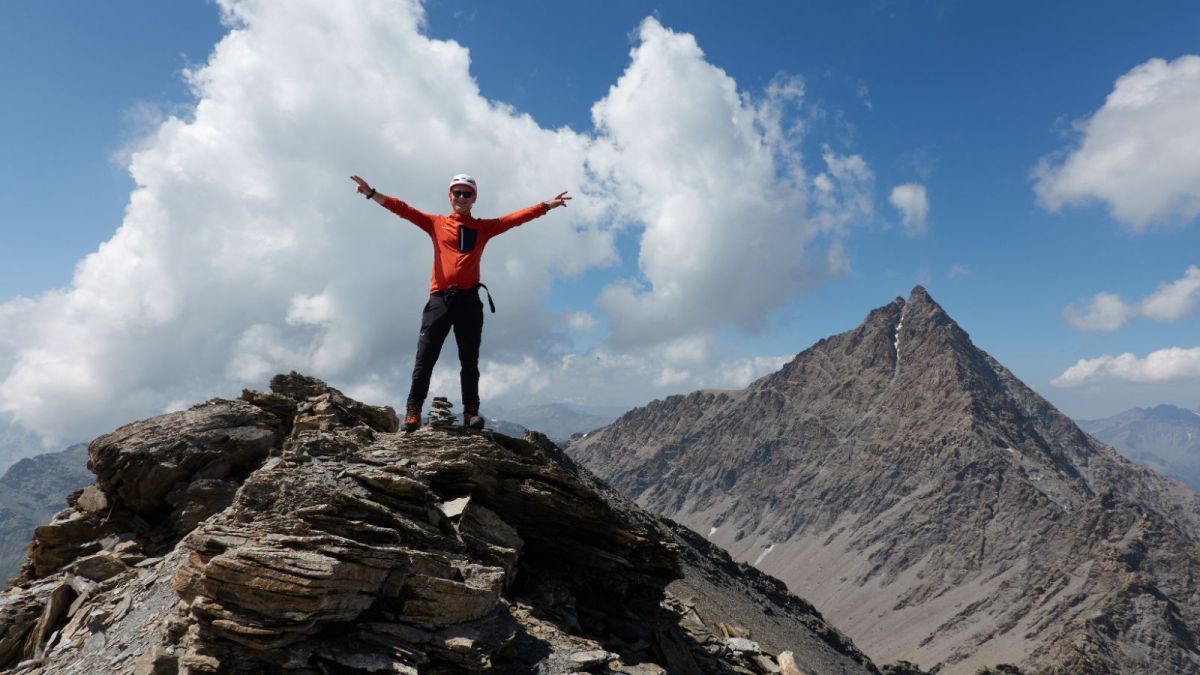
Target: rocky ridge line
[295,531]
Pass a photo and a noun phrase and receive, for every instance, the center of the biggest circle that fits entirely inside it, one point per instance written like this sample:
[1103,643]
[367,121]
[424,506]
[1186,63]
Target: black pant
[462,311]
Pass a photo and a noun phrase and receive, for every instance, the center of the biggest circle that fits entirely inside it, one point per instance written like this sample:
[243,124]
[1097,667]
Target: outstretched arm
[370,192]
[504,223]
[419,218]
[560,200]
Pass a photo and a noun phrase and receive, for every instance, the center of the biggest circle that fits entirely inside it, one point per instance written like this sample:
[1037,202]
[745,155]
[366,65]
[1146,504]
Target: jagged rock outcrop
[295,531]
[928,502]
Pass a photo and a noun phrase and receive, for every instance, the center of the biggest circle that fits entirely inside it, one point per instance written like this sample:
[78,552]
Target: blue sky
[961,100]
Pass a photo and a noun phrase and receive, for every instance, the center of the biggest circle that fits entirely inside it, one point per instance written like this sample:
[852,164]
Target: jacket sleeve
[495,226]
[419,218]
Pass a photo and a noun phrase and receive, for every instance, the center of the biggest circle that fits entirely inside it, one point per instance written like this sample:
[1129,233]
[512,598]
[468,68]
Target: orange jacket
[458,241]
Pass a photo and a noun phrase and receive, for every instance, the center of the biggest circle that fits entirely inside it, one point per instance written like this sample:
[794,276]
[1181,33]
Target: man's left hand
[560,200]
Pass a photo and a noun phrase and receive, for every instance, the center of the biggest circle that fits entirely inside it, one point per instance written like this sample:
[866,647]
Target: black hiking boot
[412,418]
[471,418]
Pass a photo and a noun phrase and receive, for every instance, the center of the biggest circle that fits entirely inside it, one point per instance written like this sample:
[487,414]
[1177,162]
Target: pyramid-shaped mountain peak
[908,353]
[933,505]
[922,307]
[919,294]
[923,316]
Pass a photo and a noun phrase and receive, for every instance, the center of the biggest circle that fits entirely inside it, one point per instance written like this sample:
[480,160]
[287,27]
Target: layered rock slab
[346,547]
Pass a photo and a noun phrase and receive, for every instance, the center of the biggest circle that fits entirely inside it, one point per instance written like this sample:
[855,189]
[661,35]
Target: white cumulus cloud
[244,250]
[741,373]
[1107,311]
[912,203]
[733,226]
[1165,365]
[610,375]
[1175,300]
[1171,302]
[1139,153]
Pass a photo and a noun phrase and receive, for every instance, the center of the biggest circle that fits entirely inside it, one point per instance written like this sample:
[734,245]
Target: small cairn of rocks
[441,413]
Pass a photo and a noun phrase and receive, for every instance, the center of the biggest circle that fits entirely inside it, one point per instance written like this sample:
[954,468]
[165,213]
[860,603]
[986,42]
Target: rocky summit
[296,531]
[928,503]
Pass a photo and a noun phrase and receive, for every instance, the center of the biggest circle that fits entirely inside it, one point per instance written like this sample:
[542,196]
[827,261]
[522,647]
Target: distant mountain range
[15,444]
[556,420]
[929,504]
[1165,438]
[31,492]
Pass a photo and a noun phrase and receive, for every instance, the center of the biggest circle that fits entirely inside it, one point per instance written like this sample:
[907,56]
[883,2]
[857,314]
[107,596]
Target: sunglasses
[462,194]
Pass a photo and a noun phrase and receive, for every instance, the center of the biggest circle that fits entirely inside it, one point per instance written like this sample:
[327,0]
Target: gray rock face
[141,464]
[1165,438]
[928,503]
[296,531]
[31,492]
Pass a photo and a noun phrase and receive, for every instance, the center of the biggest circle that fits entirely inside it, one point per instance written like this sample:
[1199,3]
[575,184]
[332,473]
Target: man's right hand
[363,188]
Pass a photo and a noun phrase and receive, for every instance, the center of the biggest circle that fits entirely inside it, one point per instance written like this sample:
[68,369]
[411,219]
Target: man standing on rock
[458,241]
